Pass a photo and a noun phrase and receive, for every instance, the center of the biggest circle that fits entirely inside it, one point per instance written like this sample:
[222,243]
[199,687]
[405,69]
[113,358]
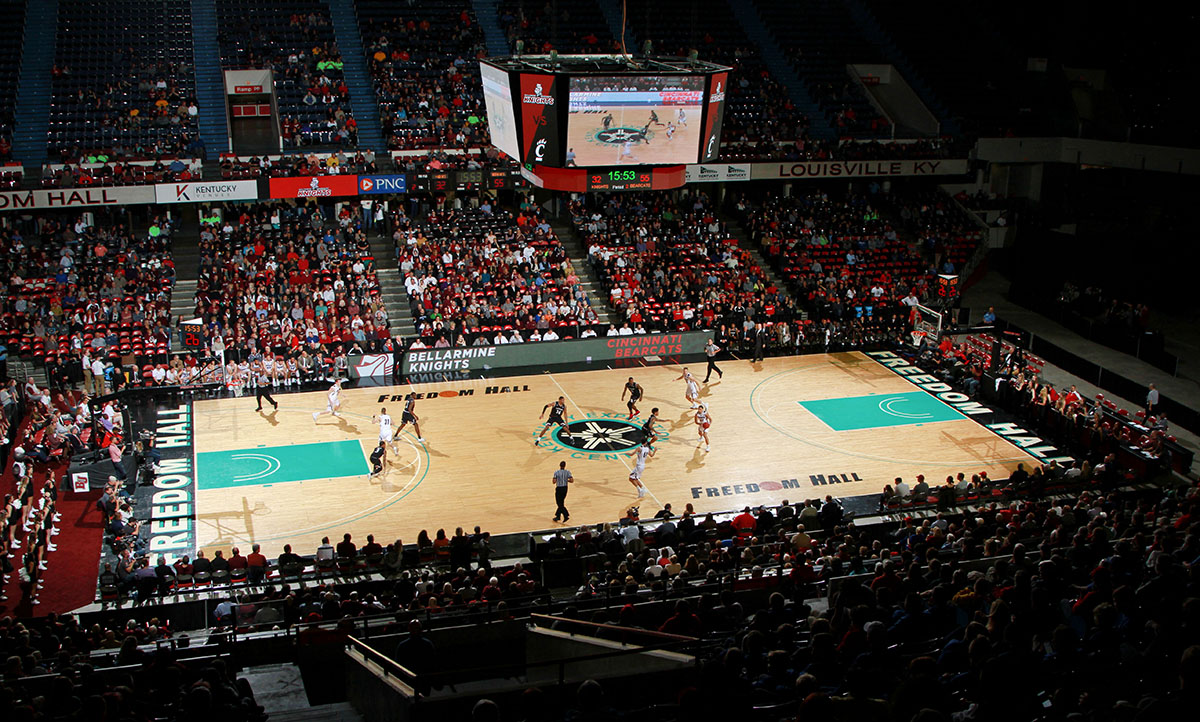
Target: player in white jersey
[335,401]
[641,453]
[670,131]
[692,391]
[682,118]
[386,435]
[627,151]
[703,421]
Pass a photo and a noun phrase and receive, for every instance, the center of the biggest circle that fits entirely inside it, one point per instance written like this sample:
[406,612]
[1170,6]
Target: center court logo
[599,436]
[617,136]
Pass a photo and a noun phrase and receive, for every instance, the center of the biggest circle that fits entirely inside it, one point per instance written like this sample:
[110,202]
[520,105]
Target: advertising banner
[607,349]
[858,168]
[368,184]
[75,198]
[539,119]
[244,190]
[717,172]
[372,365]
[322,186]
[713,117]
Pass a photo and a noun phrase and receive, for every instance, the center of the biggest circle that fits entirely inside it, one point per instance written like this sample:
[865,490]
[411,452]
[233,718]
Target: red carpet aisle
[70,577]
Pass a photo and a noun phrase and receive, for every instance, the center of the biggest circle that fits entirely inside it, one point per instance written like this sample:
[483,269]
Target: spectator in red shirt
[745,522]
[256,565]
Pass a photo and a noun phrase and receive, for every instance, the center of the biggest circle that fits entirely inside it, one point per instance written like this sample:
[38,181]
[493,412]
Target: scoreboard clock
[190,337]
[639,178]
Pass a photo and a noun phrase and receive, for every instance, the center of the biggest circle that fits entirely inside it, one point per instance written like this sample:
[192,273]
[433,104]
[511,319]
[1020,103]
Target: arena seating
[423,61]
[578,28]
[272,282]
[476,274]
[123,83]
[10,57]
[820,39]
[757,105]
[88,175]
[112,296]
[296,40]
[671,265]
[235,168]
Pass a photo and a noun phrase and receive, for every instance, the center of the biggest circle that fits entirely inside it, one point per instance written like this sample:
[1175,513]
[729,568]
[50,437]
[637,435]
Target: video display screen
[502,122]
[634,120]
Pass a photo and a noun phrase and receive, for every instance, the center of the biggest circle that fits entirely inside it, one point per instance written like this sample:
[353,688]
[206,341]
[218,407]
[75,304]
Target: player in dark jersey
[558,410]
[410,417]
[607,122]
[653,119]
[648,433]
[634,389]
[378,459]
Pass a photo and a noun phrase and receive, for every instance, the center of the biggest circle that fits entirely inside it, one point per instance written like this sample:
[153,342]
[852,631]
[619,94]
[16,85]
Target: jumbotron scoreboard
[605,123]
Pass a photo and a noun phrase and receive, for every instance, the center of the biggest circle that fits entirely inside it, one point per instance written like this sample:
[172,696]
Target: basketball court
[596,145]
[786,428]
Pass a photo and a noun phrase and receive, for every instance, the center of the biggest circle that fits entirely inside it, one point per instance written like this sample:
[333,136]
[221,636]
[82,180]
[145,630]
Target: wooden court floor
[786,428]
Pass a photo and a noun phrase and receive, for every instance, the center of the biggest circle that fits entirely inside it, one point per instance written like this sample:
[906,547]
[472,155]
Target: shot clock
[620,179]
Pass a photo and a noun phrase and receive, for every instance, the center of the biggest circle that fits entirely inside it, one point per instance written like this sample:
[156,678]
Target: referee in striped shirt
[562,477]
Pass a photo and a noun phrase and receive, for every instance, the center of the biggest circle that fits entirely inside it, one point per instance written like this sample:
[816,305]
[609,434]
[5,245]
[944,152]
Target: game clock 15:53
[620,179]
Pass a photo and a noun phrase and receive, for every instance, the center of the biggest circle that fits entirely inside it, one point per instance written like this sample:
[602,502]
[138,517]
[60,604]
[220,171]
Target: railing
[427,680]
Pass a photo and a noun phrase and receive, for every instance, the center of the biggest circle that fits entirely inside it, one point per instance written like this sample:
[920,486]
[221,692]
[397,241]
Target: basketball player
[557,409]
[682,118]
[649,436]
[653,119]
[641,453]
[378,459]
[385,430]
[263,388]
[335,401]
[670,131]
[607,122]
[645,134]
[703,421]
[410,417]
[692,392]
[627,151]
[634,389]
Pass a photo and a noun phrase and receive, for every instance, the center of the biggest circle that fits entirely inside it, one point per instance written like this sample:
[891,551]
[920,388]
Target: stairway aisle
[358,77]
[210,81]
[745,241]
[391,287]
[488,15]
[771,54]
[33,89]
[577,256]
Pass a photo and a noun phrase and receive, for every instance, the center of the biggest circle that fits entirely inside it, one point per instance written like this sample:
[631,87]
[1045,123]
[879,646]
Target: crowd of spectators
[667,262]
[1095,302]
[118,173]
[489,275]
[577,29]
[51,674]
[74,288]
[336,163]
[297,42]
[280,283]
[857,264]
[424,65]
